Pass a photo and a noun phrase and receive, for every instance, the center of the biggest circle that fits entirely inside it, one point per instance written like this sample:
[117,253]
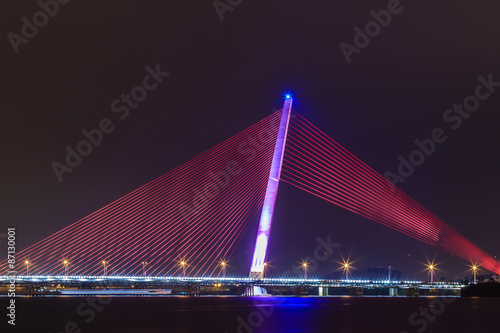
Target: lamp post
[304,266]
[346,268]
[223,265]
[183,265]
[27,263]
[65,264]
[105,267]
[474,270]
[431,269]
[144,263]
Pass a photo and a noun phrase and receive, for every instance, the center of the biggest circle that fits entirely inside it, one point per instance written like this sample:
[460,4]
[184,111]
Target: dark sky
[227,75]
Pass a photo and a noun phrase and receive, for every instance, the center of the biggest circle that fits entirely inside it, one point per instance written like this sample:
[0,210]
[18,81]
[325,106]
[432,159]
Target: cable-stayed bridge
[187,222]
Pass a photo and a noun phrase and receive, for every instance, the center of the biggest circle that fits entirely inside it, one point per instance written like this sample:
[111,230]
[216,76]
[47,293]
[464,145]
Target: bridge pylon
[266,217]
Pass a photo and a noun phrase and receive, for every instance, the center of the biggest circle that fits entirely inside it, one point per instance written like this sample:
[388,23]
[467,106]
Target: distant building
[483,278]
[378,274]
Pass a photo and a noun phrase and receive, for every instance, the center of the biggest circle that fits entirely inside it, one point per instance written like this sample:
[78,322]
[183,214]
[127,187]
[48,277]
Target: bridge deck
[234,281]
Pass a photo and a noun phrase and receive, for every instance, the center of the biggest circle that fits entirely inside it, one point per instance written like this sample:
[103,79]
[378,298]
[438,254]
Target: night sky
[227,75]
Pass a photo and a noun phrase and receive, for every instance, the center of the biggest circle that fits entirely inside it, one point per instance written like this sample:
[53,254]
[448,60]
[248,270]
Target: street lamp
[474,270]
[264,270]
[304,266]
[346,267]
[144,263]
[223,265]
[65,263]
[104,263]
[431,269]
[183,264]
[27,263]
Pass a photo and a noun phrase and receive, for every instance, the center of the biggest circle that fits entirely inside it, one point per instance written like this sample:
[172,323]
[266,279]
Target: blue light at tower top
[288,95]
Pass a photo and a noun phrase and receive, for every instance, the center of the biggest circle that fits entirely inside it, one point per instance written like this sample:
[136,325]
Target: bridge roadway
[166,282]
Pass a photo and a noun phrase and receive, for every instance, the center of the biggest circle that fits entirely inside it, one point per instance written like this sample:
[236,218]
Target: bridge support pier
[191,291]
[413,292]
[323,291]
[356,291]
[393,291]
[245,291]
[301,291]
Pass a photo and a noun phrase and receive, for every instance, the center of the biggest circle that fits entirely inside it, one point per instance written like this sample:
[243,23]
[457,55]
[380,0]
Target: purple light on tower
[266,217]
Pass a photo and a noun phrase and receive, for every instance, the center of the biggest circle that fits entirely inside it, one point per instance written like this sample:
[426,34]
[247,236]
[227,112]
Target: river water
[254,314]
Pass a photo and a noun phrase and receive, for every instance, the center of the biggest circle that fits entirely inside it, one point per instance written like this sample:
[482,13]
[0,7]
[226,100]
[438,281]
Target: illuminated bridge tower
[266,217]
